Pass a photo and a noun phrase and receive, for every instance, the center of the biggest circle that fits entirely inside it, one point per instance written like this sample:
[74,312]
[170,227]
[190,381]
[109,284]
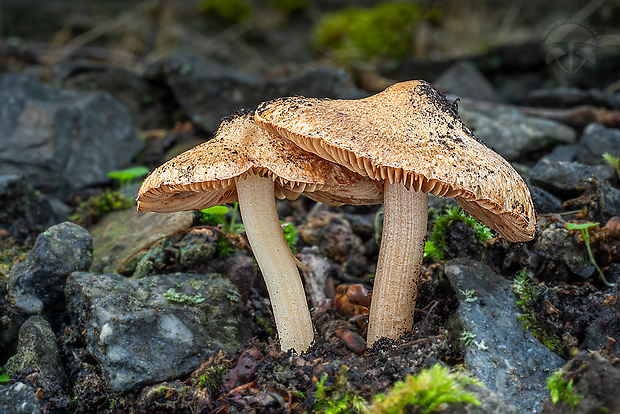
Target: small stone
[597,140]
[37,348]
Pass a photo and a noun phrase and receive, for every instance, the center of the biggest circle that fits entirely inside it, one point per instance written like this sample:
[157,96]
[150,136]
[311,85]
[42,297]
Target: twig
[174,233]
[578,117]
[103,28]
[434,303]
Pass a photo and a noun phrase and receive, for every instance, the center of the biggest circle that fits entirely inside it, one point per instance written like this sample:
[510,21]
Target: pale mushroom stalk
[400,262]
[277,264]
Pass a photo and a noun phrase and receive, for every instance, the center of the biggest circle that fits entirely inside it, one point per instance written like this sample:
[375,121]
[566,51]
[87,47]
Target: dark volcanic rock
[37,283]
[563,254]
[145,101]
[568,179]
[208,91]
[24,211]
[465,81]
[512,134]
[564,97]
[37,348]
[504,356]
[545,202]
[173,322]
[19,398]
[596,380]
[62,139]
[595,141]
[607,325]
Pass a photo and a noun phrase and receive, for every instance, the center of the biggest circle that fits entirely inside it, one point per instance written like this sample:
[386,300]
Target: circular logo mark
[570,43]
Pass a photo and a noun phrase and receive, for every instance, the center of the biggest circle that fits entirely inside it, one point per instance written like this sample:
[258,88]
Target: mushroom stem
[277,264]
[405,216]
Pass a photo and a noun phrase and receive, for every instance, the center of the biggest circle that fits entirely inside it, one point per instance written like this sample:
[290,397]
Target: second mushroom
[245,163]
[412,140]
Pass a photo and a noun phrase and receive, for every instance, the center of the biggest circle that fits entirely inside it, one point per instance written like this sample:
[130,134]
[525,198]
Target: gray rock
[607,324]
[208,91]
[62,139]
[568,179]
[501,354]
[563,153]
[596,379]
[18,398]
[37,348]
[172,322]
[544,202]
[595,141]
[37,283]
[145,102]
[25,212]
[561,246]
[611,203]
[512,134]
[463,79]
[566,97]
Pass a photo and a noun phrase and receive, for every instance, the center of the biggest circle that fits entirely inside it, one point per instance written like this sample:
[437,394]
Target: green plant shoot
[614,161]
[126,176]
[586,240]
[562,390]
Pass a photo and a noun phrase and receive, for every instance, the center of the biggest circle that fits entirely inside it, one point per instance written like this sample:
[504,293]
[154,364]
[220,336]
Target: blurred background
[397,39]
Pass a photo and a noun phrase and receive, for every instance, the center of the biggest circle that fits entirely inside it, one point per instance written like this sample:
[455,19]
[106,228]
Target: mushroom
[242,162]
[410,138]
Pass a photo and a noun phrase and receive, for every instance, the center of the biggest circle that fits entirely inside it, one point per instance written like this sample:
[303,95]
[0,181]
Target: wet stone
[174,322]
[499,352]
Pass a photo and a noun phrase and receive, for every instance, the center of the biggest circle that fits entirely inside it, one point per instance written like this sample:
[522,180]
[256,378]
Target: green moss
[11,253]
[290,235]
[436,246]
[426,392]
[386,29]
[173,296]
[526,295]
[337,398]
[561,390]
[89,212]
[212,377]
[231,11]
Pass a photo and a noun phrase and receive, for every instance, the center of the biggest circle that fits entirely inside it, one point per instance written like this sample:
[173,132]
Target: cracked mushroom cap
[409,133]
[205,176]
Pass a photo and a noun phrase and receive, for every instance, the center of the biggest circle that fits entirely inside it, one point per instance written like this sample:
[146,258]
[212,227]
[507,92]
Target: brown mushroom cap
[205,176]
[409,133]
